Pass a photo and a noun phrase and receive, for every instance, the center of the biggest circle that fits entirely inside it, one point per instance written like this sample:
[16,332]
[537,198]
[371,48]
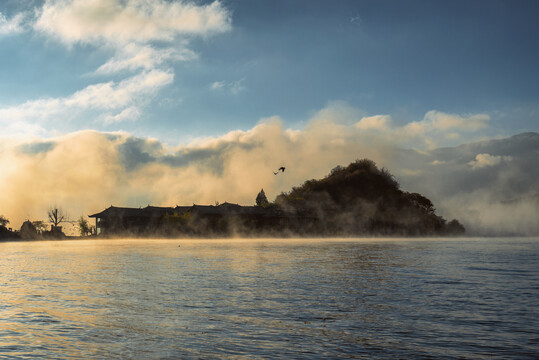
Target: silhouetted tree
[421,202]
[56,216]
[454,227]
[3,220]
[362,198]
[261,199]
[84,227]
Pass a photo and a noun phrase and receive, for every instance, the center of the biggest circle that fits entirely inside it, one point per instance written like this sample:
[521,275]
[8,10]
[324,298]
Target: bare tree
[56,216]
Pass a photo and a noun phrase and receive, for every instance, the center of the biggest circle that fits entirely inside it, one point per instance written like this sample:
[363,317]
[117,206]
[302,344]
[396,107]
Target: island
[357,200]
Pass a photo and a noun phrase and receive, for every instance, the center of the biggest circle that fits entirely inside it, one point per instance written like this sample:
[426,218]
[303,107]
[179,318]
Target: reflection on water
[270,298]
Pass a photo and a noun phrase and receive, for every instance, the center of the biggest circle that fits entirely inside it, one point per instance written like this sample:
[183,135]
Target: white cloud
[133,56]
[442,121]
[233,87]
[486,160]
[437,127]
[144,35]
[435,121]
[338,112]
[237,86]
[115,21]
[434,130]
[217,85]
[129,114]
[21,130]
[11,26]
[113,96]
[102,96]
[132,28]
[377,122]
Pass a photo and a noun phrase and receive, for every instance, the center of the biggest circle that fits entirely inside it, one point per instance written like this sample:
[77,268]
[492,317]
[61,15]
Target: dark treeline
[31,231]
[361,199]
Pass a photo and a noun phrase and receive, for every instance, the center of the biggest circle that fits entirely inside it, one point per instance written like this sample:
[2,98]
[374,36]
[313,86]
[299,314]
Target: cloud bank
[87,171]
[491,185]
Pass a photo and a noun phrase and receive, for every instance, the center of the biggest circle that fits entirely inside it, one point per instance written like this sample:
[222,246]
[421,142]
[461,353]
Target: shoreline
[281,239]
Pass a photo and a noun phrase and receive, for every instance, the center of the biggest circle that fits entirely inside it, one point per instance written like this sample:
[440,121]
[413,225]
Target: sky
[132,102]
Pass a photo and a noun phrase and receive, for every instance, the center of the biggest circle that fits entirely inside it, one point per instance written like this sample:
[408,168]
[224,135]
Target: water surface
[334,298]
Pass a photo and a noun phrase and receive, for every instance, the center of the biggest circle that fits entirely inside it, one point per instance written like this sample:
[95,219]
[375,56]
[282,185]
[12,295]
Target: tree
[454,227]
[56,216]
[421,202]
[39,225]
[261,199]
[84,227]
[3,220]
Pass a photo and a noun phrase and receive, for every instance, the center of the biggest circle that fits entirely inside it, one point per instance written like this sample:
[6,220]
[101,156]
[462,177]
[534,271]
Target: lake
[471,298]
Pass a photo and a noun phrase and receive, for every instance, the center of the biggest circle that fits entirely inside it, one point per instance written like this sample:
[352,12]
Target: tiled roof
[222,209]
[148,211]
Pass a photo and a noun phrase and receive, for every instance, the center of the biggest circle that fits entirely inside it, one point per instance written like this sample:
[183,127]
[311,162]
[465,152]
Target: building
[223,219]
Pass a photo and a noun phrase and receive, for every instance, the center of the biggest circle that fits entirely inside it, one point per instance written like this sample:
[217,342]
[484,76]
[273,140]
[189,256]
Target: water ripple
[345,298]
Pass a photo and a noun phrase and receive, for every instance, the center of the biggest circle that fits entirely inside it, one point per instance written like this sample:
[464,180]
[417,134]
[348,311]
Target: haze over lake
[270,298]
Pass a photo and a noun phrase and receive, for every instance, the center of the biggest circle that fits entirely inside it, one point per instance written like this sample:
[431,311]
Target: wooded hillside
[363,199]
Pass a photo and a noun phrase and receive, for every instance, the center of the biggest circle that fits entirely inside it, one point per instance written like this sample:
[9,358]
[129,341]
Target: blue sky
[284,58]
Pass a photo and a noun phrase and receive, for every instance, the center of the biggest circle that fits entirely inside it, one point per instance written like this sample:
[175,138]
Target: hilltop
[361,199]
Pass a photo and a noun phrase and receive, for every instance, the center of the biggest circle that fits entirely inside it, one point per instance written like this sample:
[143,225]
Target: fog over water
[274,298]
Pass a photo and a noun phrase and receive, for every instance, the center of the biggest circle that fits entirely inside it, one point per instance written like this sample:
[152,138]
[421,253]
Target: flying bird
[281,169]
